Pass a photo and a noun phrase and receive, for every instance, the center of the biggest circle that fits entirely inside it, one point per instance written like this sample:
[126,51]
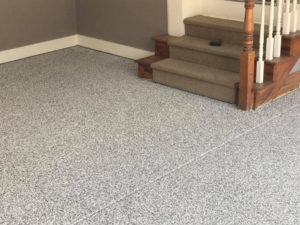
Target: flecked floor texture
[83,140]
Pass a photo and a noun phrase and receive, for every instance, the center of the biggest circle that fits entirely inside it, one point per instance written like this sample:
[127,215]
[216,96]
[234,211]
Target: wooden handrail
[247,63]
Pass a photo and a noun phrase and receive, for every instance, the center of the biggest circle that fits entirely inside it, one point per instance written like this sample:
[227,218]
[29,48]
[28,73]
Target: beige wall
[178,10]
[129,22]
[235,10]
[24,22]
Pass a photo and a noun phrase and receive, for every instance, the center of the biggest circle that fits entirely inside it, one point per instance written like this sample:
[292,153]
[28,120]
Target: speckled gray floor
[83,140]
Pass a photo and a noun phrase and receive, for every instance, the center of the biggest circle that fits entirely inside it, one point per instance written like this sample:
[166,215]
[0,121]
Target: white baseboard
[113,48]
[74,40]
[36,49]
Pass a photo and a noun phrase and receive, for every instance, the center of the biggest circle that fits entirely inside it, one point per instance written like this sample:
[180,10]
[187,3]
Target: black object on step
[215,43]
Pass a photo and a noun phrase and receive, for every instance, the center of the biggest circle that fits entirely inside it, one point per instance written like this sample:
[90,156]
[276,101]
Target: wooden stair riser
[145,71]
[161,52]
[144,66]
[162,49]
[207,59]
[291,44]
[274,70]
[161,45]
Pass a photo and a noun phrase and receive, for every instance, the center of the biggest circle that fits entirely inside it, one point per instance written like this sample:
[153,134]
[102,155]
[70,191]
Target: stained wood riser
[161,52]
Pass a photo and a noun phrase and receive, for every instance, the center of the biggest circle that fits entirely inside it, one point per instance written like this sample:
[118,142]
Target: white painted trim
[74,40]
[175,18]
[113,48]
[270,39]
[37,49]
[178,10]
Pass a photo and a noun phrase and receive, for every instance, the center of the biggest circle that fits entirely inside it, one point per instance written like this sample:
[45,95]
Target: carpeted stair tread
[198,44]
[221,24]
[199,72]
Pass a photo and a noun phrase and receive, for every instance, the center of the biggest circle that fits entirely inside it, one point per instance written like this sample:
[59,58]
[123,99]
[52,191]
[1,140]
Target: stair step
[196,50]
[202,80]
[211,28]
[290,44]
[147,61]
[161,45]
[198,72]
[219,23]
[144,66]
[198,44]
[161,52]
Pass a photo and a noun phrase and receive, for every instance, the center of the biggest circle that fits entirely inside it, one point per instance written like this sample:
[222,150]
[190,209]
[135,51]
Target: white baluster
[294,17]
[287,18]
[270,39]
[278,38]
[260,63]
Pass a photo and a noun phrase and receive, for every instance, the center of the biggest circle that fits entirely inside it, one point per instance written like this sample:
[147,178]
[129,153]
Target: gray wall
[129,22]
[24,22]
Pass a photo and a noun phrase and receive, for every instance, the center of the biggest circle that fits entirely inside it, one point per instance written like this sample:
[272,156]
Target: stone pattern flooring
[83,140]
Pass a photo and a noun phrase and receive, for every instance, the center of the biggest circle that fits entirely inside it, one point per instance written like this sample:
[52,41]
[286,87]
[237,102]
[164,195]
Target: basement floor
[83,140]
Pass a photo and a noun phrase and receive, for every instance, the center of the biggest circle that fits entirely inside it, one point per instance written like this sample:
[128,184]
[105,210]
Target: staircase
[197,67]
[230,72]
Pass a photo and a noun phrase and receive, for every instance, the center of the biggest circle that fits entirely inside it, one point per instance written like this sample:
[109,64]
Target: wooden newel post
[247,64]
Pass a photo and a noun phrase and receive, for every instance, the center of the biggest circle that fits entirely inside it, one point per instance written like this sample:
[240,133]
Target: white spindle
[294,17]
[287,18]
[270,39]
[278,38]
[260,63]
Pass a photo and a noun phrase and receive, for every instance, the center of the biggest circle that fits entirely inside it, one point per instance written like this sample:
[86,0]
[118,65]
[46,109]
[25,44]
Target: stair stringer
[279,80]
